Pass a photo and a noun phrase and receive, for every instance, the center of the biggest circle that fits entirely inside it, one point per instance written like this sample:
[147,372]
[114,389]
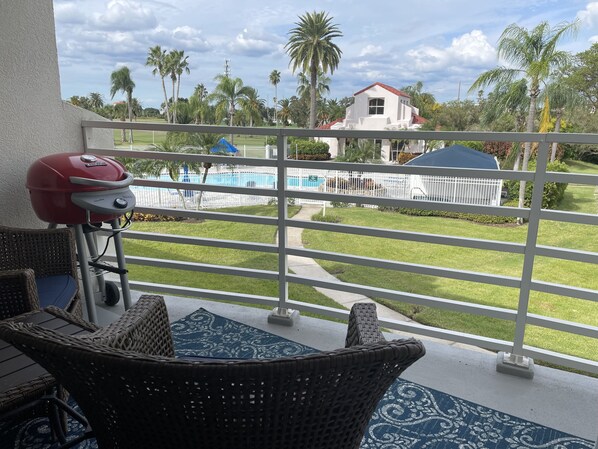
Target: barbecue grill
[84,191]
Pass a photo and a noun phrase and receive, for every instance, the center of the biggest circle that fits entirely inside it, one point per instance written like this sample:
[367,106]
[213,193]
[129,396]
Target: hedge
[477,218]
[553,191]
[308,149]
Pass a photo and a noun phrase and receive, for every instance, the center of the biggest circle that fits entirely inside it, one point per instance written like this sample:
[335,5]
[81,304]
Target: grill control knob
[88,158]
[120,203]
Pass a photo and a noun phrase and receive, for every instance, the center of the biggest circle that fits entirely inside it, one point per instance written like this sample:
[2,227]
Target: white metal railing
[281,166]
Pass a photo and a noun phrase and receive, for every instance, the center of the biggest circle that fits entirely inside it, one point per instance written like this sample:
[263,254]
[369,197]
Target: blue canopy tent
[224,146]
[187,193]
[455,189]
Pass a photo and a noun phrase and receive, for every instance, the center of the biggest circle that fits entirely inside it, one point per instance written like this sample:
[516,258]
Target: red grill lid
[52,173]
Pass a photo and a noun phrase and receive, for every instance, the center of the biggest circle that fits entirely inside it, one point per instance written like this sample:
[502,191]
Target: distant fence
[472,191]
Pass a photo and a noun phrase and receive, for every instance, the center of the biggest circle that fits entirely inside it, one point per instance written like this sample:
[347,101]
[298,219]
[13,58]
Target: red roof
[418,119]
[329,125]
[385,86]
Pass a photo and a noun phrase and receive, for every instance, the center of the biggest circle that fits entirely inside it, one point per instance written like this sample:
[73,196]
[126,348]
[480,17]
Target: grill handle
[100,183]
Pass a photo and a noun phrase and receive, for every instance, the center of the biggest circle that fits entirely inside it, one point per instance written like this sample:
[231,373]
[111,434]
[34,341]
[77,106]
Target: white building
[379,107]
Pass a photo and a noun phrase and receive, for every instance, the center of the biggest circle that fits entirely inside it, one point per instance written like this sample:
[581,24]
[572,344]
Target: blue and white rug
[409,416]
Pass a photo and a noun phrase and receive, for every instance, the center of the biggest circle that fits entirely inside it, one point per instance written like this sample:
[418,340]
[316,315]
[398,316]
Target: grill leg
[85,277]
[120,258]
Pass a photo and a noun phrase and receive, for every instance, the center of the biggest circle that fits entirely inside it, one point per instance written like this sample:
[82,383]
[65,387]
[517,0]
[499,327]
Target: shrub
[499,150]
[553,191]
[330,218]
[138,216]
[308,150]
[477,218]
[406,157]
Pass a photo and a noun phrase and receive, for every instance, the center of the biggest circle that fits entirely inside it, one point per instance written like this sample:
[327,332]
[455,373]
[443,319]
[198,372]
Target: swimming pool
[251,179]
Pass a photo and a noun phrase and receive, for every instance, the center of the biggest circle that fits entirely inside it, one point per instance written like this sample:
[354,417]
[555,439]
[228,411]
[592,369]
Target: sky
[445,44]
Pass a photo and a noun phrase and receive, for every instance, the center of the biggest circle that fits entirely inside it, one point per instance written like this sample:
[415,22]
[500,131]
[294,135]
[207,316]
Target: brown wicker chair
[132,400]
[143,328]
[27,255]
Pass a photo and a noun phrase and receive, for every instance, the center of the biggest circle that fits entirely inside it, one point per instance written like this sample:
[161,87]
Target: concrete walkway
[304,266]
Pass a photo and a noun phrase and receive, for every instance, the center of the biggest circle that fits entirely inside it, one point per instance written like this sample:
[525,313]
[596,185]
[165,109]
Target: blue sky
[443,43]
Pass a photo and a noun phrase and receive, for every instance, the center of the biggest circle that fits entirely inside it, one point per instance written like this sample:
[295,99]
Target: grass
[566,235]
[143,138]
[221,256]
[578,198]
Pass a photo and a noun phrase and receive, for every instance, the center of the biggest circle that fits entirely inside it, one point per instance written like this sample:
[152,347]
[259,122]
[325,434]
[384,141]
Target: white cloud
[589,16]
[360,65]
[470,49]
[68,13]
[248,43]
[371,50]
[125,15]
[593,39]
[191,38]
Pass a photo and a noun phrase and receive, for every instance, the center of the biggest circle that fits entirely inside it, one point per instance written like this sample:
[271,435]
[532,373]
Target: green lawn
[148,138]
[578,198]
[226,257]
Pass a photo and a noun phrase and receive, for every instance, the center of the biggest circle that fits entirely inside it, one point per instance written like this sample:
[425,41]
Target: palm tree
[304,85]
[227,93]
[285,111]
[203,143]
[533,56]
[274,80]
[96,101]
[560,96]
[176,64]
[121,82]
[252,106]
[311,49]
[157,58]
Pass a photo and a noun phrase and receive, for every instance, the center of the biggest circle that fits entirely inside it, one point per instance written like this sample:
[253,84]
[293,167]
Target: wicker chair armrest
[73,318]
[47,251]
[18,293]
[363,325]
[144,328]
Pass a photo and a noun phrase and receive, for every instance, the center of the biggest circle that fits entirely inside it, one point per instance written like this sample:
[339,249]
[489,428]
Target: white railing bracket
[285,317]
[515,365]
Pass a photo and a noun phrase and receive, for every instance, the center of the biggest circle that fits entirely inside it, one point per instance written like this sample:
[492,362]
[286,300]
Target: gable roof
[456,156]
[384,86]
[329,125]
[418,119]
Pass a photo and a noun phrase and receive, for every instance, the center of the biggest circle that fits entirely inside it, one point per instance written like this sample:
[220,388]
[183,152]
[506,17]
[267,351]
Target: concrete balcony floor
[565,401]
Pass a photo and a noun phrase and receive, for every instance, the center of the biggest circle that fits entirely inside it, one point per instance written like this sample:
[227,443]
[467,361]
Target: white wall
[34,121]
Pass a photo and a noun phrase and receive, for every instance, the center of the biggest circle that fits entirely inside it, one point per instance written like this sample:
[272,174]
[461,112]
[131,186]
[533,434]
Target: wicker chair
[29,257]
[132,400]
[143,328]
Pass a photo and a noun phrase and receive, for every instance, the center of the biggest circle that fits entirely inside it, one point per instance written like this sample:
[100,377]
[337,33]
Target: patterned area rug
[409,416]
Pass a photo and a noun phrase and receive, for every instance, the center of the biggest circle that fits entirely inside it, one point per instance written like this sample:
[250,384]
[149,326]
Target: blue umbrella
[222,146]
[186,178]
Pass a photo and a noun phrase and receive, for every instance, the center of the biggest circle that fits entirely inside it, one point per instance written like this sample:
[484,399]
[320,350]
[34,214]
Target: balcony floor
[558,399]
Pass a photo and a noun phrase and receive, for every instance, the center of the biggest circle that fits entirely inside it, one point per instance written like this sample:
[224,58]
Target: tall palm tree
[227,94]
[121,82]
[157,58]
[274,80]
[176,64]
[532,55]
[311,49]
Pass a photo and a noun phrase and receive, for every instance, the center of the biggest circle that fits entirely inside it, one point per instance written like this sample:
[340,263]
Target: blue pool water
[251,180]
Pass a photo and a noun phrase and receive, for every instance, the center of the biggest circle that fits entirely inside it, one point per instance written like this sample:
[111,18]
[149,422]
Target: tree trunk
[312,94]
[275,101]
[166,101]
[173,102]
[528,146]
[130,107]
[182,197]
[178,87]
[557,128]
[203,181]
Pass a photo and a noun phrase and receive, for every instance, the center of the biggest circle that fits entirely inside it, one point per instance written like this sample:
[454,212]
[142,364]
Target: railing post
[515,362]
[281,314]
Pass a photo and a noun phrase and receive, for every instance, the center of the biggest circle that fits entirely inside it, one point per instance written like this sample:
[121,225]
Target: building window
[376,106]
